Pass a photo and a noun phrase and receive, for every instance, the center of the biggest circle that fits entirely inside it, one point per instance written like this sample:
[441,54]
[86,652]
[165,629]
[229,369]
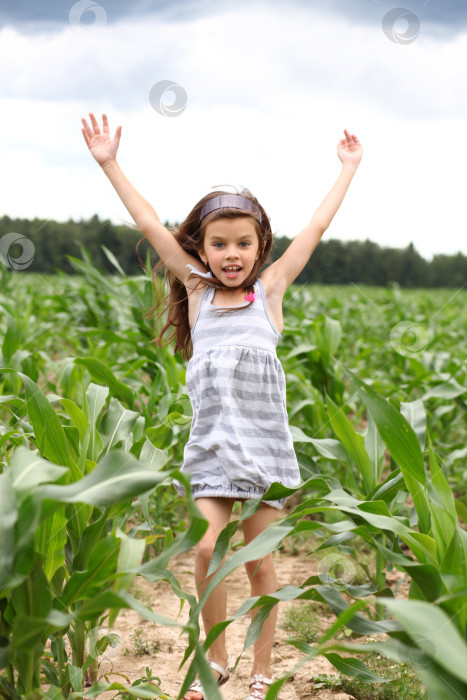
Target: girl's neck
[222,297]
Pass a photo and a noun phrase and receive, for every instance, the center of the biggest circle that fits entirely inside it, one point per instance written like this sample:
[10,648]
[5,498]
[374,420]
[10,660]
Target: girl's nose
[231,252]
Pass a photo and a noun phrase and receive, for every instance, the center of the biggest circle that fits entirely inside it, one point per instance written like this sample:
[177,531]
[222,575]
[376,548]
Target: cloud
[275,61]
[442,19]
[269,92]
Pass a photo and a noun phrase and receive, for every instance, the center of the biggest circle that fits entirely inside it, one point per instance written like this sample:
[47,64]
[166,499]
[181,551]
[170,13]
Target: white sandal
[196,686]
[256,687]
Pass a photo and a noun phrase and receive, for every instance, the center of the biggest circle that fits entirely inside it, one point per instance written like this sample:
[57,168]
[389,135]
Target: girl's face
[229,244]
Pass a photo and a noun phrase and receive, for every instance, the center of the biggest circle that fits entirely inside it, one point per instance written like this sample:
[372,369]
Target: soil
[167,647]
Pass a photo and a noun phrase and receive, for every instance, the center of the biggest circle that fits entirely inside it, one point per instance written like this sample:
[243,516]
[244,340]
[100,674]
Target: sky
[247,93]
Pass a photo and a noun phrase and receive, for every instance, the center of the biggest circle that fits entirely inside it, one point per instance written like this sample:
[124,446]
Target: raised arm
[280,275]
[104,150]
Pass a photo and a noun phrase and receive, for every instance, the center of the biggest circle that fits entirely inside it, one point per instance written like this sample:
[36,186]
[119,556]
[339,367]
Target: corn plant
[86,397]
[66,564]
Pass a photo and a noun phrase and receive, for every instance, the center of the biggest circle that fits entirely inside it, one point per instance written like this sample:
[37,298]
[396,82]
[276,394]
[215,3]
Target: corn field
[93,421]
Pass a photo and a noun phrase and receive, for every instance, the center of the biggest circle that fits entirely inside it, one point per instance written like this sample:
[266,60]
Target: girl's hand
[349,149]
[102,147]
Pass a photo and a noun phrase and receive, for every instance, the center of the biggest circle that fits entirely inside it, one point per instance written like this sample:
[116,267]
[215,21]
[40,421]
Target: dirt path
[170,646]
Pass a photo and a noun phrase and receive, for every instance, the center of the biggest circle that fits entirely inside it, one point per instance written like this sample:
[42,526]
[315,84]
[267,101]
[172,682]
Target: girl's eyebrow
[215,236]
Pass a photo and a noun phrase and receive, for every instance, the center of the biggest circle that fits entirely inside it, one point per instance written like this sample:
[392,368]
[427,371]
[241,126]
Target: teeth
[231,269]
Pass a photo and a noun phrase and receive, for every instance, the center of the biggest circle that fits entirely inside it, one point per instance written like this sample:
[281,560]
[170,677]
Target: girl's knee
[204,552]
[261,569]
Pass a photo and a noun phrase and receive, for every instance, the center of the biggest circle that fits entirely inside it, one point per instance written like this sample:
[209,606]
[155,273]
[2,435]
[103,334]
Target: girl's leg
[262,575]
[217,512]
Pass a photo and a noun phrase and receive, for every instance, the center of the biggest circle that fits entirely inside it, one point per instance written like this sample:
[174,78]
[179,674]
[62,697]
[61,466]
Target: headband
[230,200]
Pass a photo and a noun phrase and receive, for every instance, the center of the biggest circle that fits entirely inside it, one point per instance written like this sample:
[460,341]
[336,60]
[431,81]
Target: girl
[227,320]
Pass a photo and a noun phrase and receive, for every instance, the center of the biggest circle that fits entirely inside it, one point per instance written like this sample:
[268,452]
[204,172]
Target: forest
[333,262]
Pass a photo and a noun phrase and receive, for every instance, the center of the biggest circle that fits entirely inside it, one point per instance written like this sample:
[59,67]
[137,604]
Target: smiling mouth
[232,271]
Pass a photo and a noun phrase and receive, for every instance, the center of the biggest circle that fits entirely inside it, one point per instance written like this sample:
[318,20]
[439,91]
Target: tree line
[333,262]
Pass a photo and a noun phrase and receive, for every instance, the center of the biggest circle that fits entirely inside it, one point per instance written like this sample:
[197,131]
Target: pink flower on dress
[250,297]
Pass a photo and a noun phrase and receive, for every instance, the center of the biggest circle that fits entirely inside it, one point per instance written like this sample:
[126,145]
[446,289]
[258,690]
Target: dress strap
[199,272]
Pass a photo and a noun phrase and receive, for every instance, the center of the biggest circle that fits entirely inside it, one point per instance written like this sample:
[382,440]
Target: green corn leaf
[329,448]
[425,577]
[12,339]
[415,415]
[9,516]
[28,470]
[100,573]
[445,390]
[266,542]
[90,608]
[102,374]
[152,455]
[433,632]
[401,442]
[111,257]
[77,416]
[95,399]
[353,442]
[117,477]
[375,447]
[129,559]
[93,403]
[332,334]
[354,668]
[357,623]
[395,431]
[117,424]
[48,430]
[50,540]
[182,543]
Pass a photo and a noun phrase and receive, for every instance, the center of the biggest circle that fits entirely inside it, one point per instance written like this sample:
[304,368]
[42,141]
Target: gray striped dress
[240,441]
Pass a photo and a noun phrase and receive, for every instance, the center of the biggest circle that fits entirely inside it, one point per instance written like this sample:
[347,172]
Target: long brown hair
[190,235]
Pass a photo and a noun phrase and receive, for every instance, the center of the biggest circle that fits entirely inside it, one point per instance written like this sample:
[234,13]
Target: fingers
[95,126]
[95,123]
[86,128]
[351,138]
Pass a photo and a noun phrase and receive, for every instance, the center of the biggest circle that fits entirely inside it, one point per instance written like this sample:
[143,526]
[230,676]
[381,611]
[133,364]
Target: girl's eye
[218,243]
